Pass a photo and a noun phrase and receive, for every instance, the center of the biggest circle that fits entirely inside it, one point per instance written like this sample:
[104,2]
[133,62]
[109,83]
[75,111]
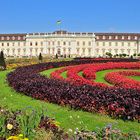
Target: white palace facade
[69,44]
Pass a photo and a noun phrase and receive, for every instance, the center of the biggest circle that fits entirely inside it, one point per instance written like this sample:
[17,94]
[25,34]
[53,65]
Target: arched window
[36,43]
[31,44]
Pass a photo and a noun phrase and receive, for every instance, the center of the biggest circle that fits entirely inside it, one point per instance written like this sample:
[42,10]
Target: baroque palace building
[69,44]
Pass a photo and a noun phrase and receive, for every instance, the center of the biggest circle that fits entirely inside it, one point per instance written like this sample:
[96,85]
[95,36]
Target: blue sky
[21,16]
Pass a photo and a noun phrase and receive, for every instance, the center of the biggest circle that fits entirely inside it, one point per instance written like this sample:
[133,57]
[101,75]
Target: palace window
[110,43]
[122,50]
[13,38]
[64,43]
[89,43]
[58,43]
[19,51]
[103,37]
[116,51]
[7,44]
[24,50]
[122,43]
[8,38]
[122,37]
[83,50]
[129,37]
[53,49]
[19,37]
[2,38]
[89,51]
[31,43]
[64,50]
[36,43]
[41,43]
[83,43]
[78,43]
[97,51]
[116,43]
[110,37]
[128,44]
[128,50]
[136,37]
[2,44]
[36,50]
[97,43]
[103,43]
[97,37]
[109,50]
[18,43]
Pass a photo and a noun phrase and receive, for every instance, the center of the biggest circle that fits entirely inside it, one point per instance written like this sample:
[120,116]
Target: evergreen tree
[56,56]
[40,57]
[2,60]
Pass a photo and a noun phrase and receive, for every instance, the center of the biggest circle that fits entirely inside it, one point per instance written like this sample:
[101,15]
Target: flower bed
[120,79]
[89,74]
[116,101]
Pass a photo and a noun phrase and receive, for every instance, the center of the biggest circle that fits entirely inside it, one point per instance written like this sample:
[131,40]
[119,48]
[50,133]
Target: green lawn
[67,118]
[99,75]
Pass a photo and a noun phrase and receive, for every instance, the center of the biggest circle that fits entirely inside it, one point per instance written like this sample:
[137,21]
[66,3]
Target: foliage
[2,60]
[68,118]
[18,122]
[89,98]
[40,57]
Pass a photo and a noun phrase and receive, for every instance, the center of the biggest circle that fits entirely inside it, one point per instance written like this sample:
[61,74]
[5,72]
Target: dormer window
[110,37]
[103,37]
[122,37]
[8,38]
[13,38]
[97,37]
[116,37]
[19,37]
[136,37]
[129,37]
[2,38]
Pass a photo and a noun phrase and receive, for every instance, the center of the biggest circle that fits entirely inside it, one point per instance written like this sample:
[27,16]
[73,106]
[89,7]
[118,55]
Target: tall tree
[56,56]
[40,57]
[2,60]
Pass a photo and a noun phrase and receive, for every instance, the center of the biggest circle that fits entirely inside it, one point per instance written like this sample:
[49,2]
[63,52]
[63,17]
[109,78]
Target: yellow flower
[13,138]
[20,135]
[9,126]
[26,139]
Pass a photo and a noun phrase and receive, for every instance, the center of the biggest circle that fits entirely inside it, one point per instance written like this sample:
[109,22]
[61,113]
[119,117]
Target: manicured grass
[135,77]
[68,118]
[101,74]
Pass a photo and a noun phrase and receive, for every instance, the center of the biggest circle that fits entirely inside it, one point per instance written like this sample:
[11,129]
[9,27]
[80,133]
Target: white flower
[70,130]
[70,117]
[78,116]
[77,129]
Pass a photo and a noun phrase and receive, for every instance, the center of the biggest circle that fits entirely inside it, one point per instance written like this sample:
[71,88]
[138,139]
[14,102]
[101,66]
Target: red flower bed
[89,74]
[115,101]
[120,79]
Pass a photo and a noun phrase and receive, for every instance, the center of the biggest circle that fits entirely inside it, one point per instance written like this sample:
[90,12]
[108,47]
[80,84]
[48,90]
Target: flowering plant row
[120,79]
[116,101]
[89,74]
